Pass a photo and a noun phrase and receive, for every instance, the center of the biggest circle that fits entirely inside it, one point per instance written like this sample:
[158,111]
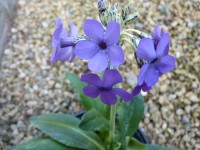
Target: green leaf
[157,147]
[78,86]
[129,116]
[87,102]
[64,129]
[94,121]
[134,144]
[42,144]
[76,83]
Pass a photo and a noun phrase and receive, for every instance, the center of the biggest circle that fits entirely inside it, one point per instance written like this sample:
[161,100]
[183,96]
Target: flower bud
[129,14]
[107,14]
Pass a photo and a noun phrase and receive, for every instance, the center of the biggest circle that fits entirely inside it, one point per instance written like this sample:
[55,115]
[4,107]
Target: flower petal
[116,55]
[56,34]
[108,97]
[73,30]
[53,59]
[63,32]
[146,50]
[99,62]
[163,45]
[55,54]
[157,33]
[54,42]
[86,49]
[123,94]
[58,22]
[72,57]
[152,76]
[112,34]
[111,77]
[94,30]
[145,88]
[136,90]
[92,79]
[142,74]
[166,64]
[65,53]
[91,91]
[59,33]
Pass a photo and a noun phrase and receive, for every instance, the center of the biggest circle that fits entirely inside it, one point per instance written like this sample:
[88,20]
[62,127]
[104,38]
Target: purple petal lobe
[86,49]
[54,42]
[145,88]
[91,91]
[157,33]
[93,29]
[108,97]
[65,53]
[55,55]
[72,57]
[111,77]
[123,94]
[92,79]
[163,45]
[73,30]
[112,34]
[166,64]
[152,76]
[142,74]
[116,55]
[53,58]
[57,33]
[58,22]
[136,90]
[99,62]
[146,50]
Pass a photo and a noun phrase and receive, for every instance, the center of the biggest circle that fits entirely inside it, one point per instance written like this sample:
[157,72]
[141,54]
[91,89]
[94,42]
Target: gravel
[30,85]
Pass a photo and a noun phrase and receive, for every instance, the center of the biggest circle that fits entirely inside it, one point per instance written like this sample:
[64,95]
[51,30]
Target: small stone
[192,24]
[139,25]
[179,112]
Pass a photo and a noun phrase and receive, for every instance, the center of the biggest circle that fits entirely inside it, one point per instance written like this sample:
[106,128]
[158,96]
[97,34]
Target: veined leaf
[134,144]
[129,116]
[76,83]
[64,129]
[43,144]
[157,147]
[92,120]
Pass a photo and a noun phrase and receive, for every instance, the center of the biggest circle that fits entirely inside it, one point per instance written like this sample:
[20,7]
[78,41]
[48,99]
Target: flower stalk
[112,125]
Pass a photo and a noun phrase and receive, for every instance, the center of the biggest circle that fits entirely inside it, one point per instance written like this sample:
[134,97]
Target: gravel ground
[30,85]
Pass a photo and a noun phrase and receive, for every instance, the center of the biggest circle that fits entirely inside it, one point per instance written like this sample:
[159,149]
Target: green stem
[132,30]
[125,33]
[112,125]
[124,39]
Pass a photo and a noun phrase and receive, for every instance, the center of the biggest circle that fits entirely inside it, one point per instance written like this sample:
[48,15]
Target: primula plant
[112,114]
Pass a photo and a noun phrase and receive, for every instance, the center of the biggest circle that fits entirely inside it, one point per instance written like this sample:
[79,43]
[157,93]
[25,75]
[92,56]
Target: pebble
[30,85]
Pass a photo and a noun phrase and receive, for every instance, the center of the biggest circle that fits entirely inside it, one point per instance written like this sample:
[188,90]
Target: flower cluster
[63,43]
[155,52]
[101,46]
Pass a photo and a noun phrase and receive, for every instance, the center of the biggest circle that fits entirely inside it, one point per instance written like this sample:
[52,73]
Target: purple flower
[63,43]
[157,58]
[104,87]
[157,34]
[138,88]
[102,46]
